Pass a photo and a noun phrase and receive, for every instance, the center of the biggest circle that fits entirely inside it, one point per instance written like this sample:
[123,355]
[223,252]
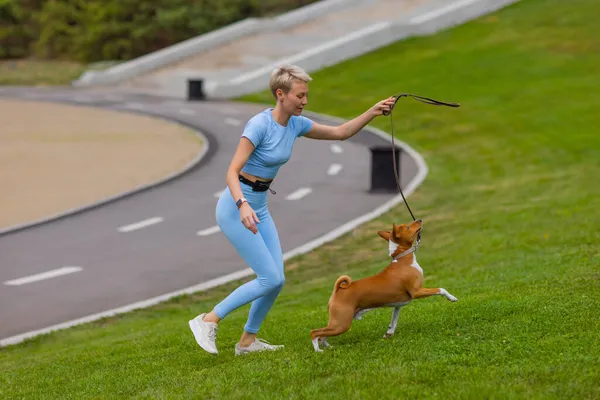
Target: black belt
[257,186]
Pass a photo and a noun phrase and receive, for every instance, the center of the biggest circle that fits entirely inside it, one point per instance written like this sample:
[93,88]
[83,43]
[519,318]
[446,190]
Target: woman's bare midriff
[254,178]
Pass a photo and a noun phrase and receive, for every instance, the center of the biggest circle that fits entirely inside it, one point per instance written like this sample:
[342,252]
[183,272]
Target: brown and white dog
[396,286]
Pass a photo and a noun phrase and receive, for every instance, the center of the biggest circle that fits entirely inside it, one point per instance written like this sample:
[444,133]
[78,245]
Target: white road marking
[135,106]
[187,111]
[141,224]
[209,231]
[336,148]
[298,194]
[228,110]
[334,169]
[44,275]
[232,121]
[171,103]
[113,97]
[441,11]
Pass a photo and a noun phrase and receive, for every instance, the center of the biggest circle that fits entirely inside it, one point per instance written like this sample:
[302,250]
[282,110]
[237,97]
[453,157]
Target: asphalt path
[163,239]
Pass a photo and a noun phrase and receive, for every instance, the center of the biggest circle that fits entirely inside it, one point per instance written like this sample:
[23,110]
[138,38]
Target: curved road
[164,239]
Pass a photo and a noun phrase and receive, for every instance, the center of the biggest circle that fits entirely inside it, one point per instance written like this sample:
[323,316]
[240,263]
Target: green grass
[511,216]
[29,72]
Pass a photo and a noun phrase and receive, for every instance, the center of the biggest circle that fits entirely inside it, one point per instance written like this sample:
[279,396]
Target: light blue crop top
[272,142]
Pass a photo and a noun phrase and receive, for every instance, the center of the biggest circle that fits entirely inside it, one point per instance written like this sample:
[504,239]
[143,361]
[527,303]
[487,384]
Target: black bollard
[383,179]
[196,89]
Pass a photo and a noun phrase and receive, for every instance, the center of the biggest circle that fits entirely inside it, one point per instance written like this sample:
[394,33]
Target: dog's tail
[342,283]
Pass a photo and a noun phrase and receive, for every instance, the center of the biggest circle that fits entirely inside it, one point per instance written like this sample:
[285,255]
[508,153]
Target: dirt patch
[56,157]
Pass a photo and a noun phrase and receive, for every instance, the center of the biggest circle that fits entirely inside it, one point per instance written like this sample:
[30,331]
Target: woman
[242,213]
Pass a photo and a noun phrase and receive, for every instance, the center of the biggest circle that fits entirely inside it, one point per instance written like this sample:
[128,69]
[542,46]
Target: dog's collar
[407,252]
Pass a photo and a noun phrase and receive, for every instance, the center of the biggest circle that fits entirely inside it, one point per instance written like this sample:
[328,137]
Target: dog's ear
[384,234]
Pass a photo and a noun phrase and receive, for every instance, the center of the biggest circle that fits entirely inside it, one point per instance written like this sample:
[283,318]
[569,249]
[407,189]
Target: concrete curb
[178,51]
[208,148]
[358,43]
[207,41]
[305,248]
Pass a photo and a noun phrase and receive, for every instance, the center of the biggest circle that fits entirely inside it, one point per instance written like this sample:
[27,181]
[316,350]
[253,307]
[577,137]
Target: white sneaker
[257,345]
[205,333]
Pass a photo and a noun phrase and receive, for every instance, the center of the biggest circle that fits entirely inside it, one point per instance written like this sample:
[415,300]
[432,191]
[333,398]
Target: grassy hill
[511,227]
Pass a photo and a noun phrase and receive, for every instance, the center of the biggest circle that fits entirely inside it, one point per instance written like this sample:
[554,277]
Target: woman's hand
[248,217]
[383,107]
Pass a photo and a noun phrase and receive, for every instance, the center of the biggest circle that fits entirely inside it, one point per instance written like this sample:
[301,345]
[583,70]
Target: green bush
[18,27]
[61,25]
[97,30]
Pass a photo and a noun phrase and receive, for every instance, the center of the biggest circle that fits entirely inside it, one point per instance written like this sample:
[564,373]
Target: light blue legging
[261,251]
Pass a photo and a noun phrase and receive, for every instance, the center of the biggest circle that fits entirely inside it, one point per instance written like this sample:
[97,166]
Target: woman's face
[296,99]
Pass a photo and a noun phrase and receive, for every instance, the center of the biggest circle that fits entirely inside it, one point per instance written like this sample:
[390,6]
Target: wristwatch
[240,202]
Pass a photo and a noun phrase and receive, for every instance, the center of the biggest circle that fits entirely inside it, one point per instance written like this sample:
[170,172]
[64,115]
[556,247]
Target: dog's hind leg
[393,322]
[320,335]
[359,313]
[339,322]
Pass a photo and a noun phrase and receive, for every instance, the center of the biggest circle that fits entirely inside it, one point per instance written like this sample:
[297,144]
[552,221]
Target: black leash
[425,100]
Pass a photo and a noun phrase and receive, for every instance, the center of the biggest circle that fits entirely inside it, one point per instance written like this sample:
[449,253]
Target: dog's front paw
[388,335]
[447,295]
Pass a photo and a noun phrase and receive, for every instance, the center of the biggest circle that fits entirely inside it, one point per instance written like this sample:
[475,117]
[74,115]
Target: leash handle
[422,99]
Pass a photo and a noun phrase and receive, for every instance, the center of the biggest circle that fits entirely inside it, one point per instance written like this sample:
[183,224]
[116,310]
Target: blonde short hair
[284,75]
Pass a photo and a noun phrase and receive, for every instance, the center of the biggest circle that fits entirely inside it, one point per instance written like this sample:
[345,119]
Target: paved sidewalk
[261,49]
